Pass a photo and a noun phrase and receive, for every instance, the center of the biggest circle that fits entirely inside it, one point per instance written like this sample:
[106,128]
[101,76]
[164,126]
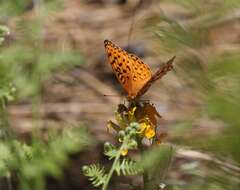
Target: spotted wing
[130,70]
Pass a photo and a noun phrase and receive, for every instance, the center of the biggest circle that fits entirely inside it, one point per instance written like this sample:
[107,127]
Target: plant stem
[105,185]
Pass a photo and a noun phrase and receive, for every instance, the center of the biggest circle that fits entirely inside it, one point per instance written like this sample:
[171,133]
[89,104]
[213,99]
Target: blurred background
[54,75]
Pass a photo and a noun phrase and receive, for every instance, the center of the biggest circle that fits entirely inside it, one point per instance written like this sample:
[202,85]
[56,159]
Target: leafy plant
[135,123]
[25,64]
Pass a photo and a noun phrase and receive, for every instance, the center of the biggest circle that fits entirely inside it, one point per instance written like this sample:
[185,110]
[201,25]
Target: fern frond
[95,174]
[128,167]
[110,151]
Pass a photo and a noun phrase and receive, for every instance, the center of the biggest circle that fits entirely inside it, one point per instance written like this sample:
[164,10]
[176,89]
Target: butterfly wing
[130,70]
[141,74]
[168,66]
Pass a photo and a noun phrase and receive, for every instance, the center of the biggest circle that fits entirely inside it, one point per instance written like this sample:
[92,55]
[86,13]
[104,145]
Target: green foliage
[9,158]
[95,174]
[3,32]
[152,164]
[49,159]
[5,156]
[110,151]
[28,68]
[16,7]
[24,67]
[7,91]
[26,62]
[127,167]
[13,6]
[157,163]
[157,158]
[39,159]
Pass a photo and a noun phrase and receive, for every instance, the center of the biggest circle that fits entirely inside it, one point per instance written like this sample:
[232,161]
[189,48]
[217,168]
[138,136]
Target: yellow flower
[143,126]
[147,130]
[131,113]
[149,133]
[124,152]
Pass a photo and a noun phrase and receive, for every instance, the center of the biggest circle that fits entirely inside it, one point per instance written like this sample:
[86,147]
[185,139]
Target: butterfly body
[133,74]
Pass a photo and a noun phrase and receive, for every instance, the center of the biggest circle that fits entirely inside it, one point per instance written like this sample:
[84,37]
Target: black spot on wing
[112,62]
[134,77]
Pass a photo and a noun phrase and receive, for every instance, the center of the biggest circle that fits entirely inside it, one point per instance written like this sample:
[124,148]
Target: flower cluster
[135,122]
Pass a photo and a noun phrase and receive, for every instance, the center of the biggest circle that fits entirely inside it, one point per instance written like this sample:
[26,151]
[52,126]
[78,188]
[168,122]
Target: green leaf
[128,167]
[95,174]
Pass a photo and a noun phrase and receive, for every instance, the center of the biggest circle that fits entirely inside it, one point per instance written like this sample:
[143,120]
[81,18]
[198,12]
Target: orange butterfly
[132,73]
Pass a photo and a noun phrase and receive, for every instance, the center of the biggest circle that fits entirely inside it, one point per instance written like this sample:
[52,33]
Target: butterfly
[133,74]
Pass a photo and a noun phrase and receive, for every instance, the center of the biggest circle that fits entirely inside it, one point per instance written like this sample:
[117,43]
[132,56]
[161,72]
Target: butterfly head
[107,43]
